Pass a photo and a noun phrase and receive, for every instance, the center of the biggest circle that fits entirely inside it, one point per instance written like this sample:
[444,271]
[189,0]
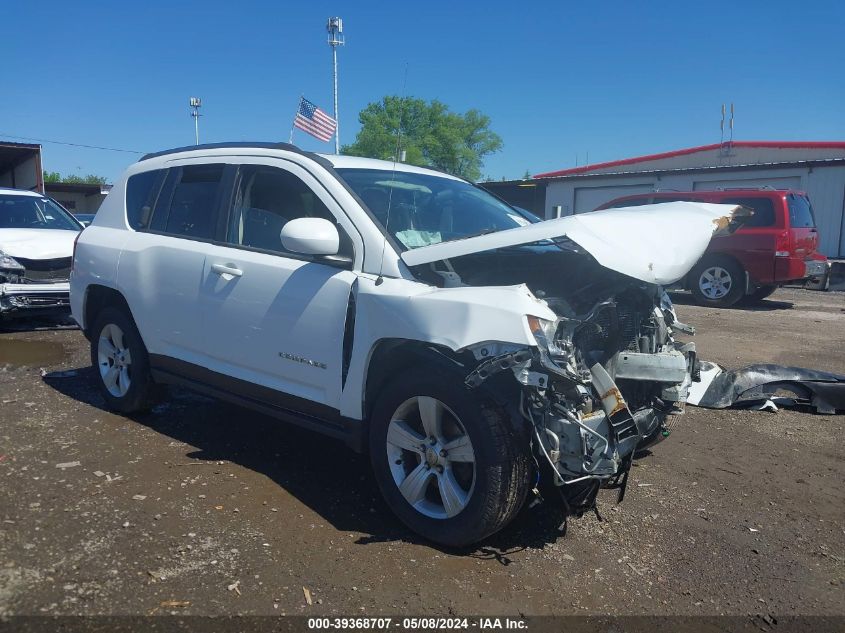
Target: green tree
[54,176]
[431,135]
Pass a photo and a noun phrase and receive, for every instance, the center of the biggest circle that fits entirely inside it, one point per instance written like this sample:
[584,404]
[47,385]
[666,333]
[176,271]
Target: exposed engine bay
[605,375]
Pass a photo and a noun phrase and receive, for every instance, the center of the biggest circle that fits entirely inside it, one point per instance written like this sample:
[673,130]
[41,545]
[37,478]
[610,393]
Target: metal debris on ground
[307,596]
[70,373]
[769,386]
[64,465]
[235,586]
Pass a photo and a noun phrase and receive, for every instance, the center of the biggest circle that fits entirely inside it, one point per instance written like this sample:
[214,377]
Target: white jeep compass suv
[403,310]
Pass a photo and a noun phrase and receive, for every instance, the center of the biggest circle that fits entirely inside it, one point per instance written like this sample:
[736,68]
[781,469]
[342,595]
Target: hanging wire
[44,140]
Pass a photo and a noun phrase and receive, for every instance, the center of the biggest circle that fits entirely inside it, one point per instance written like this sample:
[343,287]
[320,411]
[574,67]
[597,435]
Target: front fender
[451,318]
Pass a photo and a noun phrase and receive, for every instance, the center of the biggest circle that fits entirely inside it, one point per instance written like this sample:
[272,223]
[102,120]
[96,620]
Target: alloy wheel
[114,360]
[431,457]
[715,282]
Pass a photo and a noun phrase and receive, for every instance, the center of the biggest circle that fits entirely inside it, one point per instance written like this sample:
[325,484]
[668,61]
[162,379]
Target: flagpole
[298,105]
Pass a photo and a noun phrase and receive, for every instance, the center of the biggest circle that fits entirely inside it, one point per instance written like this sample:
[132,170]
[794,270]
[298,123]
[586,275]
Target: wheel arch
[98,297]
[390,356]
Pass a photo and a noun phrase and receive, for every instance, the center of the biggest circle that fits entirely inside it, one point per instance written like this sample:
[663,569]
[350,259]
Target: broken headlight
[10,269]
[543,330]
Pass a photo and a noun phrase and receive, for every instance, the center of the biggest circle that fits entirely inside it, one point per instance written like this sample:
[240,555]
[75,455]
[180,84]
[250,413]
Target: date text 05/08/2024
[417,624]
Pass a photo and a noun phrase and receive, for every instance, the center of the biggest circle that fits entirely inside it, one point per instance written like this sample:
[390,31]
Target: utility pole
[196,104]
[334,27]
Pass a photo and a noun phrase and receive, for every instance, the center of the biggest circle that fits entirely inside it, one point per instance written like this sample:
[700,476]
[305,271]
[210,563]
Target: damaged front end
[597,387]
[30,287]
[605,374]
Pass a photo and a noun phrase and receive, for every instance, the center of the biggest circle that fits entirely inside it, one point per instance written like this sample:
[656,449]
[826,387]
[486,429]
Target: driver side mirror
[310,236]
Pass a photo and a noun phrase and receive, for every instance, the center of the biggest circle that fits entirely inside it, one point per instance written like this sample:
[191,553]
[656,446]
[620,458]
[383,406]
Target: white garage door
[588,198]
[793,182]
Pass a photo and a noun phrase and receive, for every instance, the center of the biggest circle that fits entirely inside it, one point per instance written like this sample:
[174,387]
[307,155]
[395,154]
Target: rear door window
[193,204]
[764,210]
[800,212]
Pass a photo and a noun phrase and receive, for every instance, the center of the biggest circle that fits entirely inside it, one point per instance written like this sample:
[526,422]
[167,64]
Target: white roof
[259,149]
[357,162]
[8,191]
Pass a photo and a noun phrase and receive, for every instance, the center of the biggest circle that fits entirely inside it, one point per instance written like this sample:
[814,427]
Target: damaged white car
[403,310]
[36,245]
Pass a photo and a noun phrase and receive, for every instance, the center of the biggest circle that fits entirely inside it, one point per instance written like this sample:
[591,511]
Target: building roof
[12,154]
[86,188]
[693,150]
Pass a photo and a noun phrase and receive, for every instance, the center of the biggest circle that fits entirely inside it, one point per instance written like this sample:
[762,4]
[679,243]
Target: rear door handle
[226,269]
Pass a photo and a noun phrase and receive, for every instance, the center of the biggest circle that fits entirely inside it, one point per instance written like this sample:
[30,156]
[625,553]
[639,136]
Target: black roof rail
[231,145]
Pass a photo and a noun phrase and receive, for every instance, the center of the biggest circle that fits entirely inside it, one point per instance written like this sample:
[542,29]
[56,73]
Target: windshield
[30,212]
[428,209]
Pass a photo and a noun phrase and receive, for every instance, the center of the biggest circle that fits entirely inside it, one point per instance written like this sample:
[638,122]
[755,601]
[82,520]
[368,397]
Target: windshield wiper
[480,233]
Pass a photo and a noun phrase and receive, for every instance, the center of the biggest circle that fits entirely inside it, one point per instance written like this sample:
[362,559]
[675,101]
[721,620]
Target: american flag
[309,118]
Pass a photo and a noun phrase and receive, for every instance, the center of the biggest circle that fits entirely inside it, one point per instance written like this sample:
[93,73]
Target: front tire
[447,459]
[717,281]
[121,362]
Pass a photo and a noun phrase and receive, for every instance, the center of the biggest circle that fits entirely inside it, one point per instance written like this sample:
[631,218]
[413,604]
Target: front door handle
[226,269]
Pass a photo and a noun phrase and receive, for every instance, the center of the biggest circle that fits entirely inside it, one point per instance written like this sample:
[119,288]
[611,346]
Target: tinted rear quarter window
[800,212]
[141,193]
[764,210]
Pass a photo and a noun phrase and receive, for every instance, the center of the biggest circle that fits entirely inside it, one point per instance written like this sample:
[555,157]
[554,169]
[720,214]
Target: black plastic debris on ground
[761,384]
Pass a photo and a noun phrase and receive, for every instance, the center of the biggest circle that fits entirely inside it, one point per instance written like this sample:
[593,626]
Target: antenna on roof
[722,127]
[396,159]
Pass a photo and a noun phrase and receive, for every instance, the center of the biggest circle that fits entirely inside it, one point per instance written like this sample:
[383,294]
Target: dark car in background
[776,246]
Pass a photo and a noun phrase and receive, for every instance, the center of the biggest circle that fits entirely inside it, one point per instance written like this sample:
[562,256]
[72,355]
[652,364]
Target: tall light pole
[195,104]
[335,30]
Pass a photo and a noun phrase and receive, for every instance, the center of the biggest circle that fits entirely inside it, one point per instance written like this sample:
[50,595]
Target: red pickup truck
[776,246]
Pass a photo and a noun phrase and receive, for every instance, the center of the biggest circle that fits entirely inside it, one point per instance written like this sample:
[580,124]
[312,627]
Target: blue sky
[558,80]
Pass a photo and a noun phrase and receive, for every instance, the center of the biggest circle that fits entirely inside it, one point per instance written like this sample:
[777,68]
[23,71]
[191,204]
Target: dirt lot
[223,511]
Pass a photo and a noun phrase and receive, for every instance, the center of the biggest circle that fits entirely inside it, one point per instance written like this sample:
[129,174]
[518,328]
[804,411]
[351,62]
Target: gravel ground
[204,508]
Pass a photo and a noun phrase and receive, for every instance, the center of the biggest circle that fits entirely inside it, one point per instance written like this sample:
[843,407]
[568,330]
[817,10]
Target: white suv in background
[403,310]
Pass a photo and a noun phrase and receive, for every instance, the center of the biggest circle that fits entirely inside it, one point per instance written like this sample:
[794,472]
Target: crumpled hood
[37,243]
[655,243]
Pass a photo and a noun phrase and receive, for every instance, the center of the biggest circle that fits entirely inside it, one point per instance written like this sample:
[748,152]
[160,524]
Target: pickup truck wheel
[759,294]
[447,459]
[718,282]
[121,362]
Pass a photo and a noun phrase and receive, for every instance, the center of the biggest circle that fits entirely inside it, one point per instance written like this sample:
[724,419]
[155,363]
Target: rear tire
[121,362]
[447,459]
[759,294]
[717,281]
